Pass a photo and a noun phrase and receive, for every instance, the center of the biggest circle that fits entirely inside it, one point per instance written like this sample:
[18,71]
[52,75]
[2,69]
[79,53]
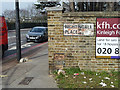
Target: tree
[29,13]
[110,6]
[42,4]
[72,6]
[98,6]
[80,6]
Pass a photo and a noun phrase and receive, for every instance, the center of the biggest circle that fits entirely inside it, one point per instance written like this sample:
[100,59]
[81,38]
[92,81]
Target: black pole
[18,38]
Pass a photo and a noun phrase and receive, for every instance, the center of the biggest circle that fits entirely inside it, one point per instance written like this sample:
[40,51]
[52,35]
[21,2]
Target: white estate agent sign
[86,29]
[108,38]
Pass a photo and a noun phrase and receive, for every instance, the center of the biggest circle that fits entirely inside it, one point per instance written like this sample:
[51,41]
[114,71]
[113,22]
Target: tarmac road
[27,48]
[12,37]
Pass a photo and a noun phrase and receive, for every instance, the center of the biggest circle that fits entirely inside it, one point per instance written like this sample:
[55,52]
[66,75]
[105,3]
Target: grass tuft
[90,79]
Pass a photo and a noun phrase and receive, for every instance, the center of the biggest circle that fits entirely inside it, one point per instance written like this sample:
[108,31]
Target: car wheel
[27,40]
[3,51]
[36,41]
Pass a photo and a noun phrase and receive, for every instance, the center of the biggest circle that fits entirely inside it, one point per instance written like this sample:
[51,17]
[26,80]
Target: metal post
[18,38]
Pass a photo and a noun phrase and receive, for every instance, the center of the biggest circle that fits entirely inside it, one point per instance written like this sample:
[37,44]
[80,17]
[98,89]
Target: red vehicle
[3,36]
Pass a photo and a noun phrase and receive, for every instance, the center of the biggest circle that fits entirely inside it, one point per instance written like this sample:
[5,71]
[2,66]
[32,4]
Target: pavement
[31,74]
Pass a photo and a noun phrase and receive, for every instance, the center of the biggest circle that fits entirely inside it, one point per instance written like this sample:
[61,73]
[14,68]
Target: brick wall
[77,50]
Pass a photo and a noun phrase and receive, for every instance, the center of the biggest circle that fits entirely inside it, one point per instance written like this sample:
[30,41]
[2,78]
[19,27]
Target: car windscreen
[40,30]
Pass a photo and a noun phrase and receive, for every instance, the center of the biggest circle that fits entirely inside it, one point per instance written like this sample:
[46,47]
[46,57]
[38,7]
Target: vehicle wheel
[36,41]
[27,41]
[46,39]
[0,52]
[3,51]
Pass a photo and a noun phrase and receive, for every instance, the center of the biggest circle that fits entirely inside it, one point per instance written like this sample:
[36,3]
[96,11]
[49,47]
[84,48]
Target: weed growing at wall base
[86,79]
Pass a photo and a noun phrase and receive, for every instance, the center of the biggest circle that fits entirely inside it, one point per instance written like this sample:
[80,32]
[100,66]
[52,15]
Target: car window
[40,30]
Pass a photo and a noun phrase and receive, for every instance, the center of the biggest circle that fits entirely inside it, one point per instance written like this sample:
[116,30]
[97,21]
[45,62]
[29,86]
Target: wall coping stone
[54,8]
[101,14]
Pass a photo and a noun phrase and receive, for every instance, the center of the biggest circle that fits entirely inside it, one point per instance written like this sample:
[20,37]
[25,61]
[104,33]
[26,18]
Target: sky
[10,4]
